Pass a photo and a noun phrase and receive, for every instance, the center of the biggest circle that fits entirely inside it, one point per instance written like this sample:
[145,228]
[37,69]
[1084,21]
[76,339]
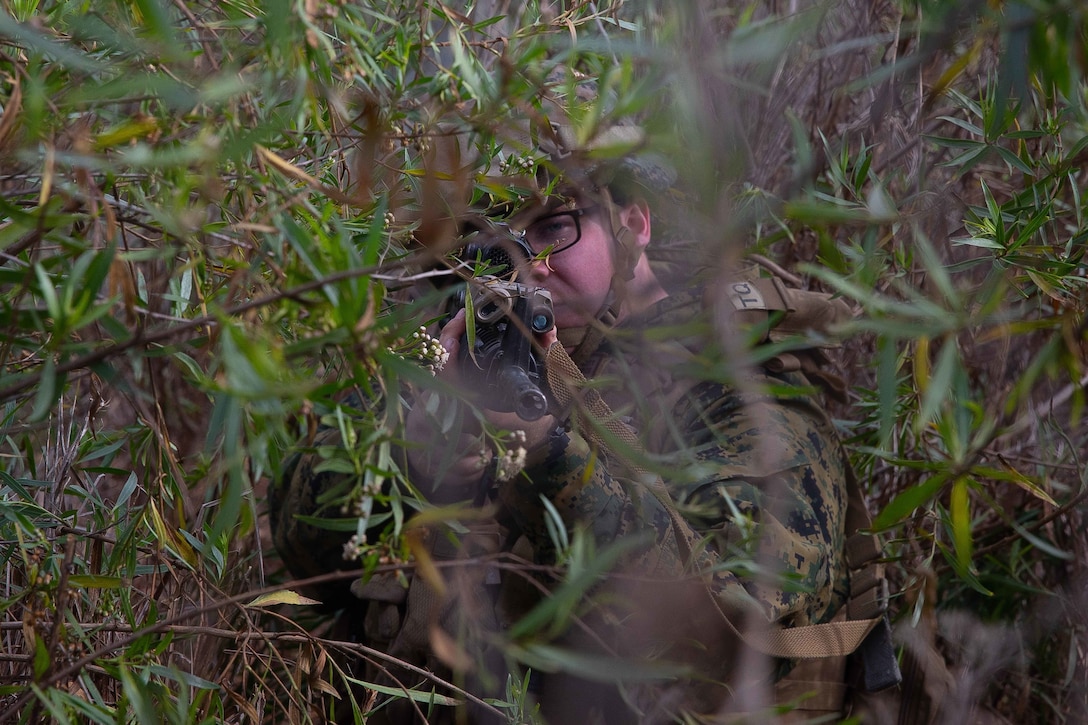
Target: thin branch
[73,669]
[145,338]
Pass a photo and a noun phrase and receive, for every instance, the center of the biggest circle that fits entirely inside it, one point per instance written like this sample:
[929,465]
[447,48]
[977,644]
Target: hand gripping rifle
[497,358]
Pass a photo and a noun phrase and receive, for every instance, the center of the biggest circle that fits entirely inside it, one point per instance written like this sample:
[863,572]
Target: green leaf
[1014,161]
[1012,71]
[960,514]
[426,698]
[344,524]
[937,394]
[42,660]
[38,42]
[968,159]
[551,611]
[131,483]
[977,242]
[49,390]
[62,704]
[19,486]
[812,212]
[95,581]
[968,575]
[906,502]
[597,668]
[1010,474]
[887,371]
[935,269]
[965,125]
[157,17]
[185,678]
[139,699]
[1043,544]
[480,85]
[47,289]
[336,464]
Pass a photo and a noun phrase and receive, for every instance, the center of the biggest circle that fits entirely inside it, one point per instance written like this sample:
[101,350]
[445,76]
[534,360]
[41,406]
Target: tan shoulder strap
[803,311]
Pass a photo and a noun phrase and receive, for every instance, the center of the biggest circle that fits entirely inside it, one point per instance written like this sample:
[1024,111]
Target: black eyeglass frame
[551,250]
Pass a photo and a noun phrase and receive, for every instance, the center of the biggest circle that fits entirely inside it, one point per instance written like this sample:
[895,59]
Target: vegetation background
[206,209]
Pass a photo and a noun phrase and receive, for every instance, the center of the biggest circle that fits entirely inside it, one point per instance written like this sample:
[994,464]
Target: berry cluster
[514,165]
[512,460]
[427,349]
[354,547]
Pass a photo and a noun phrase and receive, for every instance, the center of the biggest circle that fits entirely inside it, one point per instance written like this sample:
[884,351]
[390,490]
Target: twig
[172,624]
[74,668]
[209,52]
[1038,525]
[1041,411]
[145,338]
[62,593]
[777,269]
[378,654]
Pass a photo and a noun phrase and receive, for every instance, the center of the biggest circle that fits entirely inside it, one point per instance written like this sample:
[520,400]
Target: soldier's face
[579,276]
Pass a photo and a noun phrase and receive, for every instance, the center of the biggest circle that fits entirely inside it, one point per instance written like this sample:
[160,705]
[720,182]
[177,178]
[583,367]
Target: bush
[212,215]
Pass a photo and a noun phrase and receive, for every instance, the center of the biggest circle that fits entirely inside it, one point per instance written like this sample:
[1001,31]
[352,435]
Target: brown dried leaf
[416,539]
[11,112]
[448,651]
[325,687]
[283,596]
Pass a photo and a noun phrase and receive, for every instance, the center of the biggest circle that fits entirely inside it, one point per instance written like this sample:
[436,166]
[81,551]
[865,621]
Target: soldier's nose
[538,271]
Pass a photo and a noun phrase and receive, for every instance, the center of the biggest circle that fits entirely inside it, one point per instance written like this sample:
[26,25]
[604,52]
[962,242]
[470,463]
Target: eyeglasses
[556,232]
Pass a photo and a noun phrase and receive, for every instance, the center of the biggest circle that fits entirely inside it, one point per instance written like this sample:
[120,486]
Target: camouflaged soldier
[697,464]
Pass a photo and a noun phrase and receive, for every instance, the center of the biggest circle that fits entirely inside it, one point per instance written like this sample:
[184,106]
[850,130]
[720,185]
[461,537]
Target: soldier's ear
[636,217]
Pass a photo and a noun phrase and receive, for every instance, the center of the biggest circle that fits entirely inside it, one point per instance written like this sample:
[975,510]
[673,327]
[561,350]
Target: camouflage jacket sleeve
[299,495]
[759,474]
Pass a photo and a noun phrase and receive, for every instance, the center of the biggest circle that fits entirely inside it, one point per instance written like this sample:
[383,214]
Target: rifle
[497,357]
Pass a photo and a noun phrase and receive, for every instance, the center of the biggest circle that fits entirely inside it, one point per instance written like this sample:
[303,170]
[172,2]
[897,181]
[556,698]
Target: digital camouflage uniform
[754,467]
[773,455]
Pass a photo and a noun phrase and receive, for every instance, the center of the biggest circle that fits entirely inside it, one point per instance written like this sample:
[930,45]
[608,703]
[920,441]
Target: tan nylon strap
[566,382]
[585,340]
[811,696]
[761,293]
[861,548]
[869,603]
[868,586]
[865,579]
[810,641]
[804,311]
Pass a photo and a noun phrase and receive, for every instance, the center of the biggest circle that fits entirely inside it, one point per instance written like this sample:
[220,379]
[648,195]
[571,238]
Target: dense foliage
[210,213]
